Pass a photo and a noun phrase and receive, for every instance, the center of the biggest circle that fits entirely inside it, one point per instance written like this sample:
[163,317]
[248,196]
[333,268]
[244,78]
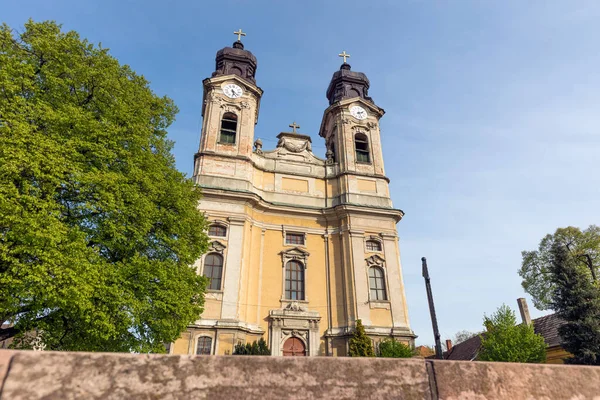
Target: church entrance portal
[294,347]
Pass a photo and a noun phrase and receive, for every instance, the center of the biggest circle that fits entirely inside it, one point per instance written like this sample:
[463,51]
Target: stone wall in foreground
[50,375]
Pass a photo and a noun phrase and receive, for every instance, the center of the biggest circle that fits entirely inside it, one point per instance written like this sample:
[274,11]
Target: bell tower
[350,127]
[231,101]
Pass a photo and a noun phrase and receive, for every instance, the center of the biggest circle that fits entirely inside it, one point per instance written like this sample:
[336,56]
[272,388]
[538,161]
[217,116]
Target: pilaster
[394,280]
[361,283]
[231,286]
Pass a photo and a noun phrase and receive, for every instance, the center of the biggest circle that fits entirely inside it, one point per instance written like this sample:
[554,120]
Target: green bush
[391,348]
[255,348]
[360,343]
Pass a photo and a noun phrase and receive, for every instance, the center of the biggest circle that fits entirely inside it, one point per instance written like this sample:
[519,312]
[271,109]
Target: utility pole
[436,331]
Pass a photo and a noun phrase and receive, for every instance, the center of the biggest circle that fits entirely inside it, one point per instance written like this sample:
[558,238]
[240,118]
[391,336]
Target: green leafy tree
[391,348]
[360,343]
[583,248]
[577,300]
[255,348]
[98,230]
[505,340]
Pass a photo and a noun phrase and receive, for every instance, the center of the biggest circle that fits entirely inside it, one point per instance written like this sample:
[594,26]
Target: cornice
[257,201]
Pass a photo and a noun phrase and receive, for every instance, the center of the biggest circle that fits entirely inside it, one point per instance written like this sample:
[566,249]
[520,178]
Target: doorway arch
[294,347]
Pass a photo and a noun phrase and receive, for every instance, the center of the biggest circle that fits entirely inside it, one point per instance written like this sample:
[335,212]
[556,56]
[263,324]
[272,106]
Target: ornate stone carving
[375,260]
[230,107]
[371,125]
[329,155]
[245,104]
[296,333]
[258,146]
[293,147]
[296,254]
[216,247]
[294,306]
[216,99]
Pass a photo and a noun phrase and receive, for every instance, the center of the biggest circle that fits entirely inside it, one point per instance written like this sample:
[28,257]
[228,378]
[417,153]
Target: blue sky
[491,133]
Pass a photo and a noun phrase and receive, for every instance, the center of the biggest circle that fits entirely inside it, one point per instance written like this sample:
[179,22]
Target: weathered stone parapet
[53,375]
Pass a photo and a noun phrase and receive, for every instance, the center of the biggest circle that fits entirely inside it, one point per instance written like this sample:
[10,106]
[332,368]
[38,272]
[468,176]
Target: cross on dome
[345,55]
[294,127]
[239,34]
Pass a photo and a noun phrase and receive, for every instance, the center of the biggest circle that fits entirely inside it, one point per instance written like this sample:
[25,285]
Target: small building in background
[547,326]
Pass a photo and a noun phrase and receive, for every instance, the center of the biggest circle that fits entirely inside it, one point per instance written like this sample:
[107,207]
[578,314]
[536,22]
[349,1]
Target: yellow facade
[300,247]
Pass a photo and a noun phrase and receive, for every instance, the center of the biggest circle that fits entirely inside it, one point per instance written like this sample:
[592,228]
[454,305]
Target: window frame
[289,292]
[202,339]
[294,234]
[358,138]
[228,131]
[378,281]
[212,267]
[217,225]
[370,241]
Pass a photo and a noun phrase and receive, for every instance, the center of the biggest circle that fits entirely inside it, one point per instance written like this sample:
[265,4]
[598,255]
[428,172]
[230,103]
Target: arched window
[204,345]
[377,284]
[228,128]
[213,270]
[373,245]
[217,230]
[294,280]
[361,143]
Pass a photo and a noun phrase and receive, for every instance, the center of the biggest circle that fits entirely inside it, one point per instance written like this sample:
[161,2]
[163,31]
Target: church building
[300,247]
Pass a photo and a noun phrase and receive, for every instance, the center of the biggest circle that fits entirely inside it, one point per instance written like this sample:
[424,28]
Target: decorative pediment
[295,254]
[375,260]
[216,247]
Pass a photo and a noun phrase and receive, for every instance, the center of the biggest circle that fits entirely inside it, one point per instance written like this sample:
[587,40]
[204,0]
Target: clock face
[232,91]
[358,112]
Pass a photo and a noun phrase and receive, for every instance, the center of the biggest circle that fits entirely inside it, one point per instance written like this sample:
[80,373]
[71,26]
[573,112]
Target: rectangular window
[217,230]
[294,238]
[362,148]
[227,137]
[228,128]
[362,156]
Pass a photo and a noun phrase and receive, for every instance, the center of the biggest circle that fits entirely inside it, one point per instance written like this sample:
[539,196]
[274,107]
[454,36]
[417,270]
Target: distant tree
[583,248]
[255,348]
[577,300]
[391,348]
[462,336]
[505,340]
[360,344]
[98,229]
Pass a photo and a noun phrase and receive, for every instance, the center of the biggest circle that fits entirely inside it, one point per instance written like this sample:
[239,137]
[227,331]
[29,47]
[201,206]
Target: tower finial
[345,55]
[239,34]
[294,127]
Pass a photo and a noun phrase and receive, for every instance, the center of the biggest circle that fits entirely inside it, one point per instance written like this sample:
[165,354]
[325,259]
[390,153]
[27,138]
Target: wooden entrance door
[294,347]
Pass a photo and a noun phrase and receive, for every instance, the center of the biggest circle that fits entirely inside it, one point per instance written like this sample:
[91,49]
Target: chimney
[448,344]
[524,311]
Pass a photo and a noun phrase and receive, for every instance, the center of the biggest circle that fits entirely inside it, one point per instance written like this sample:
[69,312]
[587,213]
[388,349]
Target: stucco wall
[50,375]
